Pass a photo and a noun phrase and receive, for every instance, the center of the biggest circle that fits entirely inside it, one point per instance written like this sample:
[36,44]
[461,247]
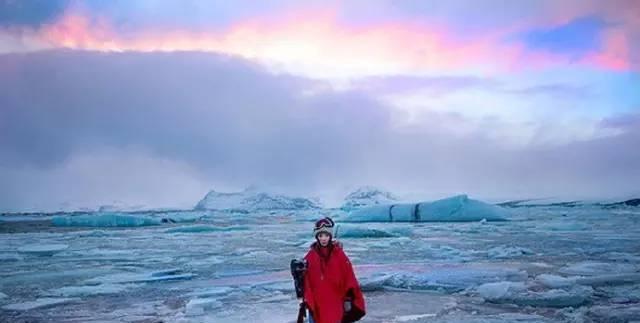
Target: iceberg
[454,209]
[253,200]
[367,196]
[105,220]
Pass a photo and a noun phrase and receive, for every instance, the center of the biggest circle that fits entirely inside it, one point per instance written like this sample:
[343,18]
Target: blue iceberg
[454,209]
[105,220]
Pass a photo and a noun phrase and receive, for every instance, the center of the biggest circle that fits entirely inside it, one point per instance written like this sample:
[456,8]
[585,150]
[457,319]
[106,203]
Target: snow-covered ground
[546,264]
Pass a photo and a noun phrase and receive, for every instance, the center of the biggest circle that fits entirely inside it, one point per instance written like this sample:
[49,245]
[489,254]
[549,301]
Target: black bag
[298,267]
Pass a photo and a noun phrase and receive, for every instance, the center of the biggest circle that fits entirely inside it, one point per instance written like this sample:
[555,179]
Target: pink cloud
[318,43]
[615,54]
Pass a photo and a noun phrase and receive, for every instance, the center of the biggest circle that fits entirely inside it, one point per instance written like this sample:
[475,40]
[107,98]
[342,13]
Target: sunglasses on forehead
[324,223]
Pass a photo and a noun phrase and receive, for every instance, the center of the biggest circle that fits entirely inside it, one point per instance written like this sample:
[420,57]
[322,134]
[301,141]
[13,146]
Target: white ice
[518,293]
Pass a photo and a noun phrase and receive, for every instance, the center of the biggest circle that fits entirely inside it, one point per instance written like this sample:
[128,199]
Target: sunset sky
[145,102]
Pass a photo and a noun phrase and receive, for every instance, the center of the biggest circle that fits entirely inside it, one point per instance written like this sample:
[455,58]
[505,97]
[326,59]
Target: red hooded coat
[328,282]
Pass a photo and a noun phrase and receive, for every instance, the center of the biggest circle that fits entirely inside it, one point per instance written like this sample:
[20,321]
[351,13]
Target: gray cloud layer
[157,128]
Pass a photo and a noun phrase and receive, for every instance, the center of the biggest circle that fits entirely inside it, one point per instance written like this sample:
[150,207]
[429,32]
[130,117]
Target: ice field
[545,263]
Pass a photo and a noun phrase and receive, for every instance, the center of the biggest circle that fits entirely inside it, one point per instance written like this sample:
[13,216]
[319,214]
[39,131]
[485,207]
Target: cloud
[554,90]
[92,127]
[29,12]
[324,43]
[433,85]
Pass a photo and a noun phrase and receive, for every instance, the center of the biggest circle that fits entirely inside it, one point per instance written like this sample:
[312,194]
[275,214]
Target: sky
[154,103]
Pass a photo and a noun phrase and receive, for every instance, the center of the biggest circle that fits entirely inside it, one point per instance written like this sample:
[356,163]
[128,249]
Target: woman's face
[324,238]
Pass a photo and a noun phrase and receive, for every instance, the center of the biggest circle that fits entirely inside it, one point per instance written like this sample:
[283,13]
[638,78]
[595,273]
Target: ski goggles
[324,223]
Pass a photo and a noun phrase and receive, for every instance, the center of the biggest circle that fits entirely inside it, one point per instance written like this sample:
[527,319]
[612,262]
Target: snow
[254,200]
[38,303]
[367,196]
[43,249]
[454,209]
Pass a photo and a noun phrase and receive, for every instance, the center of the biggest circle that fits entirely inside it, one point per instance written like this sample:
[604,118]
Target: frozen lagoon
[547,264]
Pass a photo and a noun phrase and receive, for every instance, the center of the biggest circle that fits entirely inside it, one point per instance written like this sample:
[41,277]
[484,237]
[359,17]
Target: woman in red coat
[331,291]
